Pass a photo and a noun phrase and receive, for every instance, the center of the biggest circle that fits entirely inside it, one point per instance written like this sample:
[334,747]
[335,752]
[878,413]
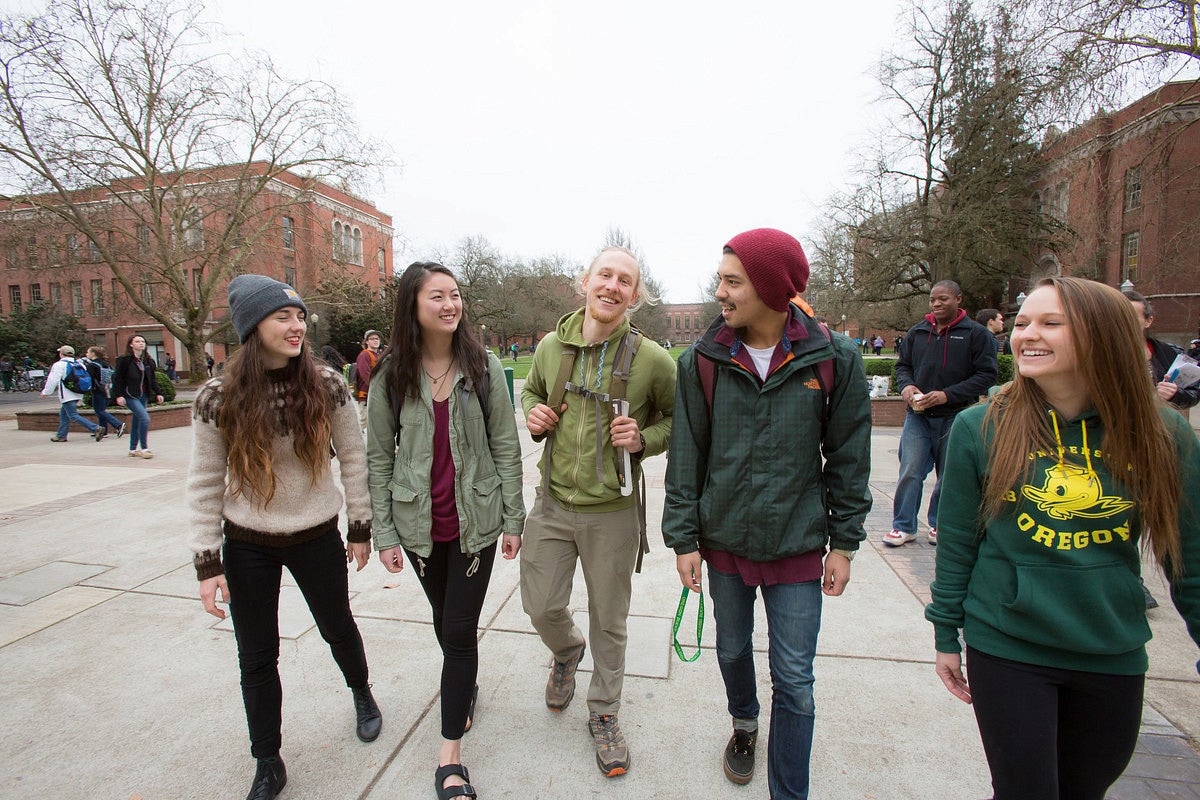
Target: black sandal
[471,708]
[448,792]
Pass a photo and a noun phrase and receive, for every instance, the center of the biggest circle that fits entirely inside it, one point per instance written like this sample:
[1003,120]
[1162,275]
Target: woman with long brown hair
[445,478]
[262,497]
[1049,490]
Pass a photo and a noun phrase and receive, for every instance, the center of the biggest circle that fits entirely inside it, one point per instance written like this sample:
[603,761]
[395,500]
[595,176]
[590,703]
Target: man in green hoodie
[581,512]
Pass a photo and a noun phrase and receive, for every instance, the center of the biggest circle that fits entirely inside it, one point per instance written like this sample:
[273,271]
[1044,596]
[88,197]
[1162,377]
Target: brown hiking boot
[612,752]
[561,686]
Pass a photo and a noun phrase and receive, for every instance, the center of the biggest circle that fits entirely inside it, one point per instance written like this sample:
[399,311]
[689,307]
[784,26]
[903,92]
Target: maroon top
[794,569]
[441,477]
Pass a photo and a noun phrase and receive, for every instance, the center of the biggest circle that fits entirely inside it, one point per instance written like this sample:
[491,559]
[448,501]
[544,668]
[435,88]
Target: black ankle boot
[269,779]
[370,721]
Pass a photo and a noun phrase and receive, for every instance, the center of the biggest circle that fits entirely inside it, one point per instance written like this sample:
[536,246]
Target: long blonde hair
[1110,357]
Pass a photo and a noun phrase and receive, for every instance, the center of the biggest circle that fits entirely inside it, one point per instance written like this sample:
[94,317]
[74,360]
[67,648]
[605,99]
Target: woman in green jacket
[1048,491]
[444,468]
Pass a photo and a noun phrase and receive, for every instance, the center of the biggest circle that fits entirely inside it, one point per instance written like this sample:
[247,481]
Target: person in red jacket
[364,366]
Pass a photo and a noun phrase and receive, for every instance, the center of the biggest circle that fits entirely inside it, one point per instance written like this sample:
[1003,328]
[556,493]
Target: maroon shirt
[441,477]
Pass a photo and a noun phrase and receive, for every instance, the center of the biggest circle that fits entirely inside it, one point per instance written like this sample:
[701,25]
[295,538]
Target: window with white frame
[1130,251]
[14,298]
[289,233]
[56,295]
[97,296]
[191,226]
[77,298]
[35,293]
[1133,188]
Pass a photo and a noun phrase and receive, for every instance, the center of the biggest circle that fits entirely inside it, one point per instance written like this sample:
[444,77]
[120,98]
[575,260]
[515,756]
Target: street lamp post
[313,318]
[1127,285]
[843,323]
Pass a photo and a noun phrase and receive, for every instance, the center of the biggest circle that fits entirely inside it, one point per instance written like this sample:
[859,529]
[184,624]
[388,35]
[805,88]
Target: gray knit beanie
[253,297]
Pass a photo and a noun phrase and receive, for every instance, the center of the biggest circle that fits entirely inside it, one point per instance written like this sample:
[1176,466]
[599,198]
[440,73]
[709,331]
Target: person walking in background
[1194,351]
[878,345]
[946,362]
[98,367]
[993,320]
[208,363]
[68,400]
[1160,356]
[430,384]
[765,385]
[134,382]
[6,372]
[364,367]
[580,514]
[333,358]
[262,497]
[171,368]
[1049,490]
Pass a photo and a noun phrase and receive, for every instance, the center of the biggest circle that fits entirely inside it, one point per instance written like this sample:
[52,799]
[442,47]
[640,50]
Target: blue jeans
[922,448]
[793,621]
[100,406]
[68,413]
[140,424]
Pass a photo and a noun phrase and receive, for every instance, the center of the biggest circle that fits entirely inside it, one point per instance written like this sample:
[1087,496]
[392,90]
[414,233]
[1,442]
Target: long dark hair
[249,419]
[401,366]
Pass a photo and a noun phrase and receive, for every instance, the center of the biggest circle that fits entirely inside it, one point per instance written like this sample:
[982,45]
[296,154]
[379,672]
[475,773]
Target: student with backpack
[134,382]
[263,496]
[69,379]
[101,372]
[587,509]
[438,379]
[781,420]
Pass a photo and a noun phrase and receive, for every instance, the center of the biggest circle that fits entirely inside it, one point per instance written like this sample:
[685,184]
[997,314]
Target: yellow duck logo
[1071,491]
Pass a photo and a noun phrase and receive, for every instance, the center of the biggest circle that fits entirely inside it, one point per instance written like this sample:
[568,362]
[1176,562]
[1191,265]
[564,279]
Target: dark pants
[254,572]
[456,601]
[100,406]
[1053,734]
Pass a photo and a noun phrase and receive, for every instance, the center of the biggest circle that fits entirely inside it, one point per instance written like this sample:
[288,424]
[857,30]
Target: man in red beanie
[754,422]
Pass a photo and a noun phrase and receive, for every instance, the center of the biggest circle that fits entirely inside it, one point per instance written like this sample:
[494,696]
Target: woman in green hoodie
[1049,491]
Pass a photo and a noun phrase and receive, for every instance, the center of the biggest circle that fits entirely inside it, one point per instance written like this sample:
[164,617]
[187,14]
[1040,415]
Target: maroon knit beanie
[775,263]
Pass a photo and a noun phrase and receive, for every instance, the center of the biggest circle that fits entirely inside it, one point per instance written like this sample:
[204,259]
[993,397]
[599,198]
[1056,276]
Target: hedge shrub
[887,366]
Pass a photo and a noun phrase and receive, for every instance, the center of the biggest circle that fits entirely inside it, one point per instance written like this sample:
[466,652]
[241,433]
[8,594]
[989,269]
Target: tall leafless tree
[131,126]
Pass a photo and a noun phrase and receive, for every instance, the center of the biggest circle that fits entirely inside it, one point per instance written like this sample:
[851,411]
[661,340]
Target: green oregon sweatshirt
[1053,581]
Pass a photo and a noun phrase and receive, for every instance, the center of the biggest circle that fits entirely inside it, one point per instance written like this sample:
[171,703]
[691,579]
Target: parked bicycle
[29,380]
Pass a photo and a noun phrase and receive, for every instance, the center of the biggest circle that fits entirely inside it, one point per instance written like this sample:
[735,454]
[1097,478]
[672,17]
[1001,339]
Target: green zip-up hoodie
[1054,580]
[650,388]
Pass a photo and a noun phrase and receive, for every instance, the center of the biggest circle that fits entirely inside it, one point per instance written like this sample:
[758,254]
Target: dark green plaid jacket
[759,480]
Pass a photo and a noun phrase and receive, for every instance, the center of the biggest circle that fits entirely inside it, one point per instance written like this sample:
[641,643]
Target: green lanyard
[683,598]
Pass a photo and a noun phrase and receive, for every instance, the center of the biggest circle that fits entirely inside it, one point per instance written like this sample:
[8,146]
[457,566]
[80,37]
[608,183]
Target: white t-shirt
[761,356]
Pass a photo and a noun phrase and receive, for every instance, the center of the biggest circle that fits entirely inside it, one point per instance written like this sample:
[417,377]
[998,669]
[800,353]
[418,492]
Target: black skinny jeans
[1053,734]
[457,602]
[253,572]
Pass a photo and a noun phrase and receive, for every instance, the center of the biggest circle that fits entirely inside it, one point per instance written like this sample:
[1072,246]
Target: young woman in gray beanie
[262,496]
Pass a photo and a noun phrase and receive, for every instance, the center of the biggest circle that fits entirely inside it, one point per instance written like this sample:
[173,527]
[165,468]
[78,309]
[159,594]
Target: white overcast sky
[541,124]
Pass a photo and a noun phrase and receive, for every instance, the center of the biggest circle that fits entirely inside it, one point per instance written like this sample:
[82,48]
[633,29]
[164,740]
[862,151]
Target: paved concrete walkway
[118,685]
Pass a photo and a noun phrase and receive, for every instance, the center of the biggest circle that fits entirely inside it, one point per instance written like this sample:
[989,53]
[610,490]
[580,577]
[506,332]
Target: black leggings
[253,572]
[1053,734]
[456,601]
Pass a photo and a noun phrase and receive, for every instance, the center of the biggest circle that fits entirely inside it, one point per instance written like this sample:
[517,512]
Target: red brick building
[295,229]
[686,322]
[1128,184]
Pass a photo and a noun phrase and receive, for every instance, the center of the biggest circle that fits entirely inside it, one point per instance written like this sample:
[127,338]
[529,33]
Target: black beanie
[775,264]
[253,297]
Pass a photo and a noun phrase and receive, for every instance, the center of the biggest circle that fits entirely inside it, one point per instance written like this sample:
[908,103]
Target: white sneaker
[146,454]
[933,536]
[896,538]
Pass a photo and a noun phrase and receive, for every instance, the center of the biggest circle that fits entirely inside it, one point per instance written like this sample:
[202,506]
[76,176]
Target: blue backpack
[77,378]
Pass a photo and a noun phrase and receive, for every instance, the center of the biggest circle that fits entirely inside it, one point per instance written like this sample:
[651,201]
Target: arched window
[358,254]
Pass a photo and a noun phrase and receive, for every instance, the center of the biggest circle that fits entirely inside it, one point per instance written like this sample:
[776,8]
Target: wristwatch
[846,554]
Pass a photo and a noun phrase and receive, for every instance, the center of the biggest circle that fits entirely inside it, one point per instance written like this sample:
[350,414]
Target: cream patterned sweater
[300,509]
